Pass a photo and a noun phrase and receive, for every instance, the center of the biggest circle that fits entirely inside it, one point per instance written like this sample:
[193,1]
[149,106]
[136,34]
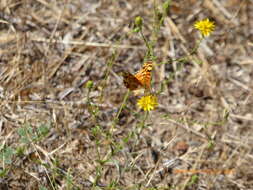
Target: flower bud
[89,84]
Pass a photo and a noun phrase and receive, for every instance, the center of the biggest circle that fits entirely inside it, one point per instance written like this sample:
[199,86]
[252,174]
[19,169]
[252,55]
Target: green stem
[144,120]
[123,104]
[115,120]
[149,53]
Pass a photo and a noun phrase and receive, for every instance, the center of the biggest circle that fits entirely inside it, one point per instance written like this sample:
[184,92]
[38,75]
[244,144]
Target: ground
[68,122]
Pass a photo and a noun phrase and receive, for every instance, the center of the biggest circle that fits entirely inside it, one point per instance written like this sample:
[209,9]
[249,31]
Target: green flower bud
[138,21]
[89,84]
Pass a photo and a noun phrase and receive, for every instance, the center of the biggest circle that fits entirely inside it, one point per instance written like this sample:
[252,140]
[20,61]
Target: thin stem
[123,104]
[115,120]
[143,121]
[149,53]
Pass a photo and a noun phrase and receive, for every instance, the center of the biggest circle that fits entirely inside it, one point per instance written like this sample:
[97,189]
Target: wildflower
[147,103]
[205,26]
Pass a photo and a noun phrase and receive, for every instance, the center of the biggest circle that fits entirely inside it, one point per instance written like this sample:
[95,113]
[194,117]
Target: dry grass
[56,133]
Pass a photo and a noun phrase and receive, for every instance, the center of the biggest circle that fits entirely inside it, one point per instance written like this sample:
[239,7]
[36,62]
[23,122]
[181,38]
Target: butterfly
[141,79]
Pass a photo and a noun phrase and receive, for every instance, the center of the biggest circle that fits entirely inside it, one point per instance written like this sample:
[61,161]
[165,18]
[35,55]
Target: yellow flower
[205,27]
[147,103]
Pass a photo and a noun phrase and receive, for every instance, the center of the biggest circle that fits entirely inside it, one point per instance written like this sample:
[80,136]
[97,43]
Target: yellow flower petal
[205,26]
[147,103]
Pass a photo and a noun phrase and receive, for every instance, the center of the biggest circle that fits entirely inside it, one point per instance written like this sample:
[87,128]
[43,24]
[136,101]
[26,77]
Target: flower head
[205,26]
[147,103]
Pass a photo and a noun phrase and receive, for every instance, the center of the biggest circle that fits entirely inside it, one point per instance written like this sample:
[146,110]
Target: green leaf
[6,155]
[42,188]
[166,6]
[43,130]
[3,172]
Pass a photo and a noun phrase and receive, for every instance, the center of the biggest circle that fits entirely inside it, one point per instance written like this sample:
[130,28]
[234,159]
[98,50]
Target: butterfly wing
[144,75]
[130,81]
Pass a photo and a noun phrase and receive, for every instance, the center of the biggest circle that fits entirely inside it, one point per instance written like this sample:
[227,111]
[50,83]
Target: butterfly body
[141,79]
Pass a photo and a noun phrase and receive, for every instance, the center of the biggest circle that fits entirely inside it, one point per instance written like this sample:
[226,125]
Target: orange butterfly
[141,79]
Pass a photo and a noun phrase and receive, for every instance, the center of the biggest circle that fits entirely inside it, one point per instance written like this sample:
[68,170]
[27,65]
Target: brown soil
[56,133]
